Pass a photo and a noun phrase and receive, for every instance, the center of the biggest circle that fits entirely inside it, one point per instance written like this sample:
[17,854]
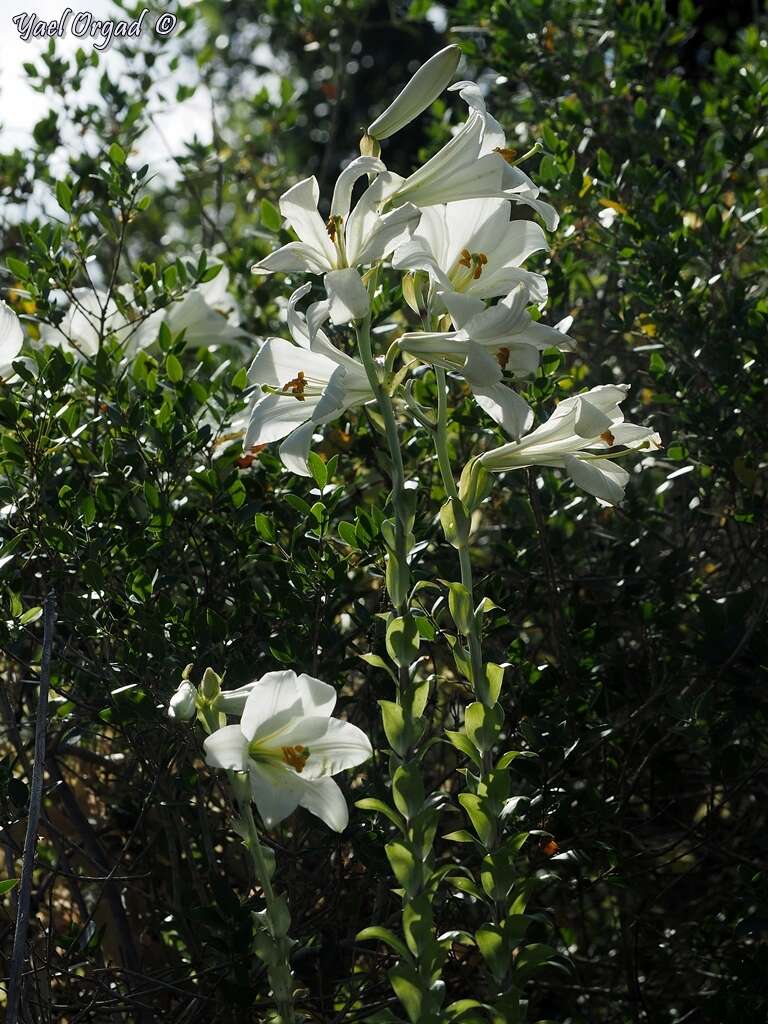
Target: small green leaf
[406,867]
[270,216]
[7,884]
[403,640]
[318,469]
[380,934]
[173,368]
[64,196]
[116,154]
[372,803]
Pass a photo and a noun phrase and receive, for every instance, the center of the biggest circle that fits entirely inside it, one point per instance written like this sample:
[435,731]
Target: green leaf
[270,216]
[482,822]
[530,959]
[394,726]
[405,866]
[408,789]
[378,934]
[405,983]
[7,884]
[491,943]
[403,640]
[30,615]
[17,268]
[264,526]
[463,743]
[483,725]
[378,662]
[173,368]
[348,534]
[318,469]
[460,607]
[116,154]
[64,196]
[372,803]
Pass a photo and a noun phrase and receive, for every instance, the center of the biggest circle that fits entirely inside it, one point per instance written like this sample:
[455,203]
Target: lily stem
[465,561]
[280,974]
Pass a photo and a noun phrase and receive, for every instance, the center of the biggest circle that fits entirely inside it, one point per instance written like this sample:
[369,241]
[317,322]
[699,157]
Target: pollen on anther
[608,437]
[296,756]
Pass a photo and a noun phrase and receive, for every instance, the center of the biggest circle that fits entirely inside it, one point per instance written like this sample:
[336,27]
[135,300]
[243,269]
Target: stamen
[330,227]
[502,357]
[296,756]
[466,259]
[608,437]
[297,386]
[508,154]
[474,261]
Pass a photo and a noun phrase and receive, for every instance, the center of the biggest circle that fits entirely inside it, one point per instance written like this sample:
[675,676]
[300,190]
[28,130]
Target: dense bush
[634,636]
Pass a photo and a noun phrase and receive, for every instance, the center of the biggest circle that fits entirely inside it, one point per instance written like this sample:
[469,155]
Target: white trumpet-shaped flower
[488,342]
[582,437]
[423,89]
[304,384]
[206,314]
[474,163]
[290,747]
[472,247]
[348,240]
[11,340]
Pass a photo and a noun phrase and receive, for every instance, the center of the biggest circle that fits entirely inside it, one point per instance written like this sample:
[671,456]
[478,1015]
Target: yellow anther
[296,756]
[502,357]
[297,386]
[330,227]
[508,154]
[608,437]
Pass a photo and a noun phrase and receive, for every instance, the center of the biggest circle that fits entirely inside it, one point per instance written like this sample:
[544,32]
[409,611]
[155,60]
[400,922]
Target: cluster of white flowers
[448,229]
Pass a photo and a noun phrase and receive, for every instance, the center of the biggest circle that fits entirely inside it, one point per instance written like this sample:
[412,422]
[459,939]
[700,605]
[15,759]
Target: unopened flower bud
[211,684]
[183,704]
[422,90]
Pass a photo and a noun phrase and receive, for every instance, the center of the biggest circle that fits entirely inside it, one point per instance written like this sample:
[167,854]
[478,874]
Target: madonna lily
[488,341]
[581,437]
[90,315]
[346,241]
[474,163]
[307,384]
[11,340]
[290,747]
[207,314]
[472,247]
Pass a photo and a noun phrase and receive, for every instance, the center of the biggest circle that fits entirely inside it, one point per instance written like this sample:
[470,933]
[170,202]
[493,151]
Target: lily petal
[347,296]
[299,207]
[272,703]
[295,257]
[345,183]
[11,339]
[317,697]
[227,748]
[276,791]
[599,477]
[506,407]
[343,746]
[324,799]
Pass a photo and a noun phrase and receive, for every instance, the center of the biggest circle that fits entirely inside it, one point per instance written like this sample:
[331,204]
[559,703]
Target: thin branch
[35,803]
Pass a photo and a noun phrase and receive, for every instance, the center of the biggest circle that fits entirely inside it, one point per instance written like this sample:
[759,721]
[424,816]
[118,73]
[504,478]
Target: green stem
[465,560]
[280,974]
[399,505]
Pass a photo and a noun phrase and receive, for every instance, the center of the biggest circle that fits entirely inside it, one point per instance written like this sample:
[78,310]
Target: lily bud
[422,90]
[183,704]
[369,146]
[475,485]
[211,684]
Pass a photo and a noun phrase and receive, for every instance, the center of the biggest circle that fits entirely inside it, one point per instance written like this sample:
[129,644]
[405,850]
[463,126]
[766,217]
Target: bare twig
[35,803]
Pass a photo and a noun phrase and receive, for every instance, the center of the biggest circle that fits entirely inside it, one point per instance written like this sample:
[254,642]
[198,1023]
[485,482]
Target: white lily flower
[487,342]
[472,247]
[347,241]
[232,702]
[183,704]
[308,383]
[290,747]
[580,437]
[473,164]
[423,89]
[90,315]
[11,340]
[207,314]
